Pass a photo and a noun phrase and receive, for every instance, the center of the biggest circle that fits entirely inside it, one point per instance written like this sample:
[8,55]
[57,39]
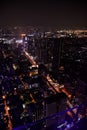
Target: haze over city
[45,13]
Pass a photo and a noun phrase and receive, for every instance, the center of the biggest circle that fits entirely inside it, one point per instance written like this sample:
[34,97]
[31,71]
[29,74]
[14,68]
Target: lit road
[57,87]
[31,60]
[9,127]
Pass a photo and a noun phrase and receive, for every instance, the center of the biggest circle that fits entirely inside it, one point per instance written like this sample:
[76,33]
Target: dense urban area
[43,79]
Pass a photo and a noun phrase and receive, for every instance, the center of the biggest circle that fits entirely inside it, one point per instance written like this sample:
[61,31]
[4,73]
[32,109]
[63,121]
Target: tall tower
[57,51]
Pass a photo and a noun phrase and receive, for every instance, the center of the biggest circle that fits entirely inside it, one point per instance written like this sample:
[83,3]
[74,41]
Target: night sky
[45,13]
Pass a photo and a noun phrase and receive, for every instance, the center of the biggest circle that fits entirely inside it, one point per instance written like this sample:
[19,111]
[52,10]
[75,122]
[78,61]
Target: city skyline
[61,14]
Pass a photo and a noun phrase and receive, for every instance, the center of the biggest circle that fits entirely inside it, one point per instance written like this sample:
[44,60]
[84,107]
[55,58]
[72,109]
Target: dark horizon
[56,14]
